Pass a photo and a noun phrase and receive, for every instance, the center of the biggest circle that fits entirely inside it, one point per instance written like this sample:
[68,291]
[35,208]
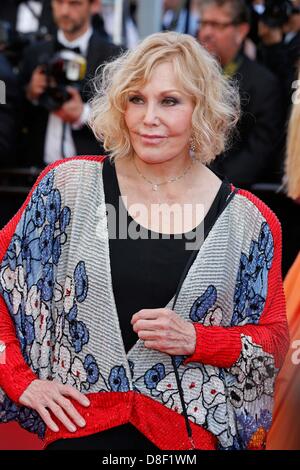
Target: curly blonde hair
[217,104]
[292,162]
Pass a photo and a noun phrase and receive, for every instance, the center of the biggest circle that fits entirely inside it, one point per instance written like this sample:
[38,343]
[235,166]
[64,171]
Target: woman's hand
[45,395]
[162,329]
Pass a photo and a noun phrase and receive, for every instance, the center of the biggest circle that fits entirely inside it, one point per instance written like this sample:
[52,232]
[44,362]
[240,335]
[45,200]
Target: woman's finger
[150,325]
[146,335]
[147,314]
[72,392]
[61,415]
[70,409]
[46,417]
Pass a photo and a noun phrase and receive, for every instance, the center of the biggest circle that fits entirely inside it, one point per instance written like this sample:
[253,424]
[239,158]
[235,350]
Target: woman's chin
[151,155]
[152,159]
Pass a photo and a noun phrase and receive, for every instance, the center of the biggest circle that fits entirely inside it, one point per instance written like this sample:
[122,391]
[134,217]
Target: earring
[193,144]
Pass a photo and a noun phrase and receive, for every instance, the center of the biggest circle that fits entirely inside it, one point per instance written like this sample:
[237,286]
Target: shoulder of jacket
[80,161]
[72,164]
[43,182]
[257,205]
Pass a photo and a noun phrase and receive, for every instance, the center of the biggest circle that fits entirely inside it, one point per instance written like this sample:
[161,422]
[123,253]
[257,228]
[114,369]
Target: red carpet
[12,437]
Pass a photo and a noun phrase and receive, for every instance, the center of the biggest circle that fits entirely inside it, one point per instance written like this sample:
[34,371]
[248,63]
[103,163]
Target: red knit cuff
[216,346]
[24,381]
[15,374]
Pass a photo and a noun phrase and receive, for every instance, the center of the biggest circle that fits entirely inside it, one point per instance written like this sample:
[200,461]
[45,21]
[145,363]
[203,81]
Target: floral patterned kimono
[58,320]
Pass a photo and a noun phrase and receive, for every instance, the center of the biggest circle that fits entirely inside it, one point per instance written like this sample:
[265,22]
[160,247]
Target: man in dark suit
[257,148]
[49,136]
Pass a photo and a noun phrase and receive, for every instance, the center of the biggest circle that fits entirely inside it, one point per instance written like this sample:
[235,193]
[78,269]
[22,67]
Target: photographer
[55,123]
[279,31]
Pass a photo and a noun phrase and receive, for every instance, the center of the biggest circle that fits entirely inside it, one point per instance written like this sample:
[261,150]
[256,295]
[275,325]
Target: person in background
[49,135]
[285,431]
[141,302]
[180,16]
[130,35]
[256,153]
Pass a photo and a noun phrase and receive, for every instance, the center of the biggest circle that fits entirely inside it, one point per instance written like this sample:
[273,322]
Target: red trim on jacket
[221,346]
[162,426]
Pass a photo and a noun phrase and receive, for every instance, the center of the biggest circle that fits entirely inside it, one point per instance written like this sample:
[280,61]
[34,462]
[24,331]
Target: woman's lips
[152,139]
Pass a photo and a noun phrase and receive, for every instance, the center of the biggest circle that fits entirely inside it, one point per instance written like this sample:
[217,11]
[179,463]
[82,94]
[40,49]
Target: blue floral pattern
[28,285]
[154,375]
[79,334]
[53,206]
[118,380]
[203,304]
[251,285]
[39,213]
[81,282]
[92,369]
[46,282]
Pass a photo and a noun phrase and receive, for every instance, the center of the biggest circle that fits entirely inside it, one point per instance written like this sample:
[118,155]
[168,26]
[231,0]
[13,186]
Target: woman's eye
[135,99]
[170,101]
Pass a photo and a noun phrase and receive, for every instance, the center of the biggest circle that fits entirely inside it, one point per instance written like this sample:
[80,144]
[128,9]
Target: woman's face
[159,117]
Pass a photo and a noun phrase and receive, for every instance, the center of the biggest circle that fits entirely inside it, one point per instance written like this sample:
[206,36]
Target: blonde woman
[292,166]
[285,432]
[141,296]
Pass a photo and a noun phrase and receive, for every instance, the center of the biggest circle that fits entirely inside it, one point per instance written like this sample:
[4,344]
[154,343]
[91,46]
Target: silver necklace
[155,186]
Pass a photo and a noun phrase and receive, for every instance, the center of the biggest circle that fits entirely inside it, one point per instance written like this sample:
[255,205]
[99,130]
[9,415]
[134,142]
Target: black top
[145,274]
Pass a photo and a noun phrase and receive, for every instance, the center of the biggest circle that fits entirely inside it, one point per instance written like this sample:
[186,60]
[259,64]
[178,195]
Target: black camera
[278,12]
[65,68]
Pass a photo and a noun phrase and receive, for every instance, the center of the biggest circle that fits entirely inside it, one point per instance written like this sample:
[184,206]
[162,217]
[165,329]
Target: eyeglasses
[216,24]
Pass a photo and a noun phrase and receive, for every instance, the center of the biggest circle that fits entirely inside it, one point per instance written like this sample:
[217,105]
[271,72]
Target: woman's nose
[151,115]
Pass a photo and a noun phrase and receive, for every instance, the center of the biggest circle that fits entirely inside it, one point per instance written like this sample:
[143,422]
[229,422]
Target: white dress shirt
[54,133]
[28,17]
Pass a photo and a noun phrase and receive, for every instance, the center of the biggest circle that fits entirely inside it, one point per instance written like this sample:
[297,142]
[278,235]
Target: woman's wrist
[191,338]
